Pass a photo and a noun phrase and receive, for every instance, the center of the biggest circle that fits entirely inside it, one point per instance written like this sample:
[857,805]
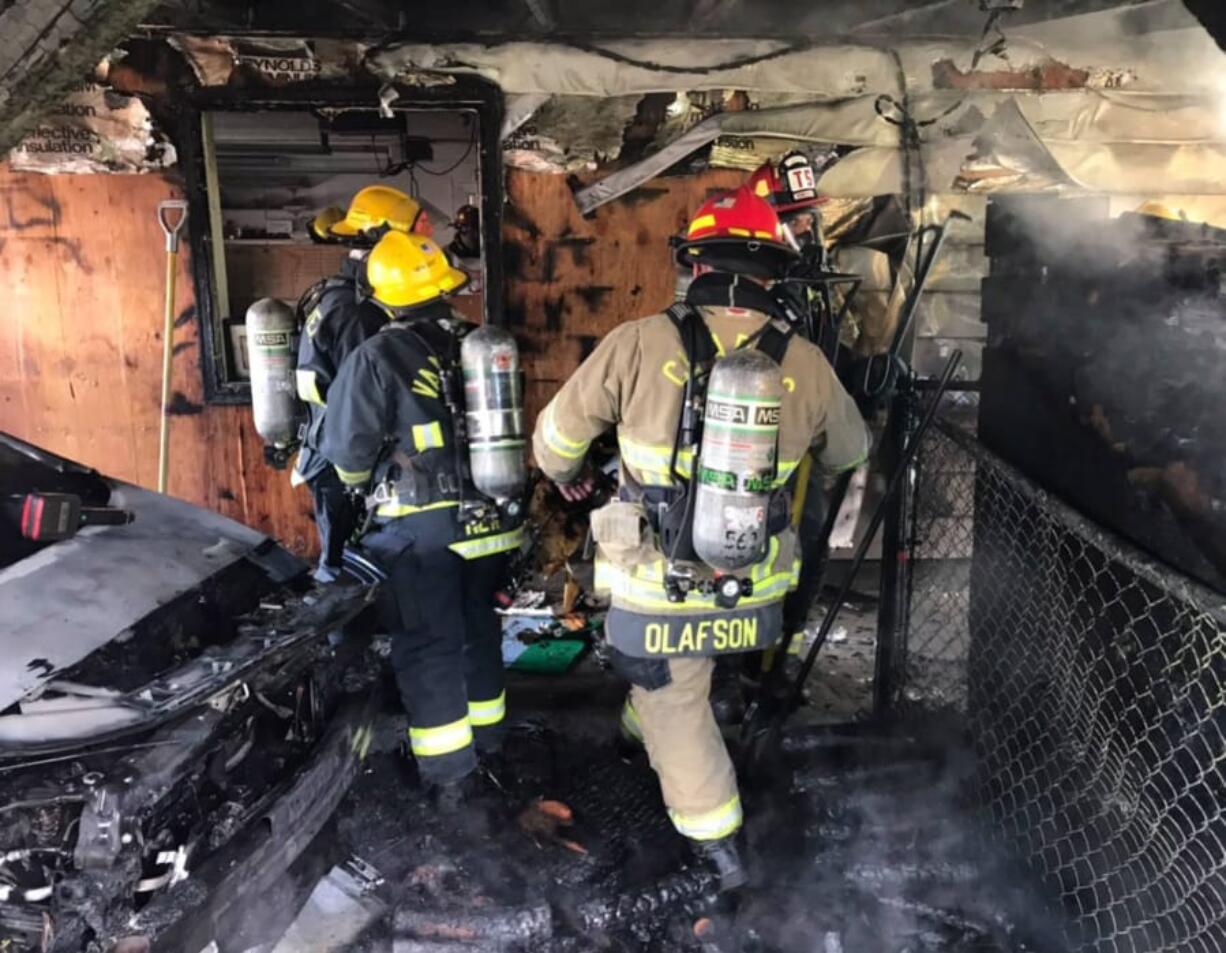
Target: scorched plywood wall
[82,261]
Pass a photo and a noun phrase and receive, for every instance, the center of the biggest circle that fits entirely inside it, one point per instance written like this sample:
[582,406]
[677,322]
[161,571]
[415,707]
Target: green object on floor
[551,657]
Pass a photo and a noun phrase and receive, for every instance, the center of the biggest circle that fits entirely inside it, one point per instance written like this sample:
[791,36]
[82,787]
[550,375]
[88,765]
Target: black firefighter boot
[722,854]
[452,797]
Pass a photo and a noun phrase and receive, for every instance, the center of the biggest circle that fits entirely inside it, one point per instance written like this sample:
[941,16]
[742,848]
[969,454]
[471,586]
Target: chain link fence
[934,636]
[1092,684]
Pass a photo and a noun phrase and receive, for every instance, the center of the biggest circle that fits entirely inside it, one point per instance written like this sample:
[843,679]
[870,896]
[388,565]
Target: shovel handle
[172,224]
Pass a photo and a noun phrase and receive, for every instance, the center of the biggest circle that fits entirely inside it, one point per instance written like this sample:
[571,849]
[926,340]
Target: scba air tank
[270,355]
[737,460]
[494,412]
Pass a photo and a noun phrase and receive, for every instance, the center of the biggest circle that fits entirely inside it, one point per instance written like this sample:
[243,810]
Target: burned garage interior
[712,475]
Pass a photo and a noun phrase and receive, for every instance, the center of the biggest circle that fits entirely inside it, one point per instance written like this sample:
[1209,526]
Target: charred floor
[857,839]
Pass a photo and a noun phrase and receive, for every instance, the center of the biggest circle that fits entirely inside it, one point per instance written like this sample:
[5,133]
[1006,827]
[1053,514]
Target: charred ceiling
[554,19]
[48,48]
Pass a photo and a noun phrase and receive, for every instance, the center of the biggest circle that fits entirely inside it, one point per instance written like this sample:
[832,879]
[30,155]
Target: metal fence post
[893,604]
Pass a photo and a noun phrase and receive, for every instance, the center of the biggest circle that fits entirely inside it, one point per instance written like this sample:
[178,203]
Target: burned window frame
[464,93]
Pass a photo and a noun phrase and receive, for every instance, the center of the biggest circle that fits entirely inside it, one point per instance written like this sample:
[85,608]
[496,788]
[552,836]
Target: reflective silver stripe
[432,742]
[486,713]
[710,825]
[308,387]
[427,436]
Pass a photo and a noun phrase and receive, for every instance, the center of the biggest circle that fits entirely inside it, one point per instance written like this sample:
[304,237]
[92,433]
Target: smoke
[1112,329]
[884,851]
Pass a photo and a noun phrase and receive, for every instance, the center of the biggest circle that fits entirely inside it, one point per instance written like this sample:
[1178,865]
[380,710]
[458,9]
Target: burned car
[175,724]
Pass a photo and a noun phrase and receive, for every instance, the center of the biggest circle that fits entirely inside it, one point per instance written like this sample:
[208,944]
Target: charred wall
[83,259]
[570,279]
[80,344]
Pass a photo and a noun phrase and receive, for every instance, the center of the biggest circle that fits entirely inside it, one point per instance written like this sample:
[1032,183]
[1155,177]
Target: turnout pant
[446,650]
[670,709]
[336,517]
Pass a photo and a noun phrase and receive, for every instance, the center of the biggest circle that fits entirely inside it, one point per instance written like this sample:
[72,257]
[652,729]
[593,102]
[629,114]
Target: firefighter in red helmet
[670,613]
[792,192]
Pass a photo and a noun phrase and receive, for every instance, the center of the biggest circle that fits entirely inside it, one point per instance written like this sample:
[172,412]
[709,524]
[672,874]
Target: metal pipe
[862,550]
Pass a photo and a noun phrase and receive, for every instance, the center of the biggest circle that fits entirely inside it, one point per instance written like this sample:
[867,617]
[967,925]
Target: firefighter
[335,322]
[792,191]
[467,240]
[391,424]
[320,230]
[635,381]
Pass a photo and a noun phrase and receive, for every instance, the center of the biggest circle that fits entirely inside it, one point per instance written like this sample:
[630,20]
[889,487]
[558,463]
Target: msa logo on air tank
[751,415]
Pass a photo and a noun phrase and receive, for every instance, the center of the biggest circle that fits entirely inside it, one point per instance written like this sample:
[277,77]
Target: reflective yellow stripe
[353,477]
[484,714]
[703,221]
[802,490]
[631,727]
[738,232]
[432,742]
[308,387]
[559,443]
[758,233]
[643,586]
[393,510]
[710,825]
[489,545]
[851,466]
[427,436]
[634,594]
[651,462]
[360,742]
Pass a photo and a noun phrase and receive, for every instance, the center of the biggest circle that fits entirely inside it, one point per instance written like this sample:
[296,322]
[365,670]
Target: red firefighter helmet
[738,232]
[791,188]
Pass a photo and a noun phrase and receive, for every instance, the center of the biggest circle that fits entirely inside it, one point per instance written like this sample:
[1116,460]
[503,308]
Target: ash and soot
[857,842]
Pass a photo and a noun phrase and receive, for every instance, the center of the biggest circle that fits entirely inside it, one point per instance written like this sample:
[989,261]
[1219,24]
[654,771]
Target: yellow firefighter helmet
[407,270]
[381,207]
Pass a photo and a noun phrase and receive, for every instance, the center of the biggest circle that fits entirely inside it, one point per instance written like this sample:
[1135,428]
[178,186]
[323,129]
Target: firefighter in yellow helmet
[335,321]
[673,611]
[392,425]
[320,230]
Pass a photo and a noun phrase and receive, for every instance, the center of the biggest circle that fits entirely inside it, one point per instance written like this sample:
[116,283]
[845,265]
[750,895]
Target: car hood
[65,601]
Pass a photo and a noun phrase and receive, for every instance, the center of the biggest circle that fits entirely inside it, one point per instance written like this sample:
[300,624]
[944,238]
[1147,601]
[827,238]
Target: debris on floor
[340,908]
[866,844]
[548,637]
